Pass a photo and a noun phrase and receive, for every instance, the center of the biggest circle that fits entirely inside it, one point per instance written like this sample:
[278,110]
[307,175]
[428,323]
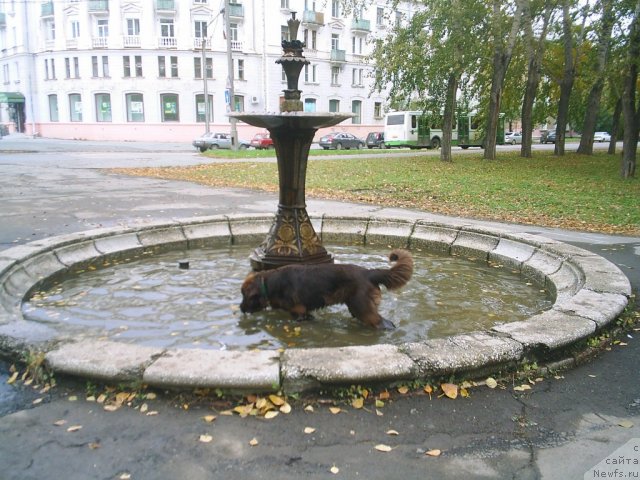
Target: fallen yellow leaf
[205,438]
[59,423]
[379,404]
[625,424]
[381,447]
[276,400]
[358,403]
[111,408]
[253,442]
[13,378]
[309,430]
[309,408]
[491,382]
[433,453]
[450,390]
[522,388]
[392,432]
[152,413]
[403,389]
[271,414]
[384,395]
[209,418]
[335,410]
[334,470]
[74,428]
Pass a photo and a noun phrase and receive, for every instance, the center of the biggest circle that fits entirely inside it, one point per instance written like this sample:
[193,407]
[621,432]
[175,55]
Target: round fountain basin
[155,301]
[300,120]
[588,292]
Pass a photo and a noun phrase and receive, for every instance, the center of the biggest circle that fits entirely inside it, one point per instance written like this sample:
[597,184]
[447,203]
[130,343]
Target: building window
[105,66]
[356,45]
[75,107]
[335,41]
[335,8]
[174,67]
[5,74]
[167,28]
[67,67]
[356,77]
[46,69]
[200,108]
[162,69]
[334,106]
[76,68]
[53,108]
[103,28]
[356,107]
[284,32]
[50,31]
[238,103]
[135,107]
[126,66]
[133,26]
[284,4]
[233,28]
[169,106]
[197,67]
[94,66]
[53,69]
[240,69]
[310,73]
[138,60]
[75,29]
[335,75]
[309,104]
[103,107]
[377,110]
[200,29]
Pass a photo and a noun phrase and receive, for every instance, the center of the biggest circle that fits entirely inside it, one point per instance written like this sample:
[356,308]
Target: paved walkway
[559,429]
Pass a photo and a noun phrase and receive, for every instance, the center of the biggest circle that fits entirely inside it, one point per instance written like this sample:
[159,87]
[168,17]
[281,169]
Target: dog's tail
[398,275]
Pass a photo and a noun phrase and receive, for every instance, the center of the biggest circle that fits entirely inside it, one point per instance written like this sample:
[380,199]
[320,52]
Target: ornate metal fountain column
[291,238]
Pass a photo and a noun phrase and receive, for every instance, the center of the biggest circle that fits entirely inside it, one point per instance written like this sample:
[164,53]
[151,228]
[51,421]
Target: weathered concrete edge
[573,270]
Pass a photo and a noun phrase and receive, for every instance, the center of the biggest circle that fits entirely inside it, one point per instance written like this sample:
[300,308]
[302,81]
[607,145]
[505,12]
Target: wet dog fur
[300,289]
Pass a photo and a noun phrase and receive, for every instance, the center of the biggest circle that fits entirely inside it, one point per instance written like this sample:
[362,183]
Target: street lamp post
[204,80]
[234,132]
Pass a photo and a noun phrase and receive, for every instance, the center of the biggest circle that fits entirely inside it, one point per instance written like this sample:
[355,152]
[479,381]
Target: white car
[512,138]
[601,137]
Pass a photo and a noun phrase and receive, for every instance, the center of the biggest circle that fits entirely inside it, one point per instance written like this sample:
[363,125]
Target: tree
[534,48]
[593,102]
[502,52]
[630,108]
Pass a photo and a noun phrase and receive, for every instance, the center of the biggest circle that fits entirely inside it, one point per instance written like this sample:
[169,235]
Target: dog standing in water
[300,289]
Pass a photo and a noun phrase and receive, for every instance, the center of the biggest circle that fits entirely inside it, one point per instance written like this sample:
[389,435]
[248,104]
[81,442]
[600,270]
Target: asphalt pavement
[566,424]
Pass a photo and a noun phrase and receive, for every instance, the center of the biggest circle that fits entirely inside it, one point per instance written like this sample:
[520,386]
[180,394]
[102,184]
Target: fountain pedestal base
[291,240]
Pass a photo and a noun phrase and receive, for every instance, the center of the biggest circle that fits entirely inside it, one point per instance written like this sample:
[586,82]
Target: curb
[589,292]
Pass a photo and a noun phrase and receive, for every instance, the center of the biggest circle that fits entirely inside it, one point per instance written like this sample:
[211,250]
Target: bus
[416,129]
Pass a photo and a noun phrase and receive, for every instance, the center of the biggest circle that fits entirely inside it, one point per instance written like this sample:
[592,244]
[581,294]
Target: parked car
[214,141]
[340,140]
[601,137]
[262,141]
[549,137]
[513,138]
[375,140]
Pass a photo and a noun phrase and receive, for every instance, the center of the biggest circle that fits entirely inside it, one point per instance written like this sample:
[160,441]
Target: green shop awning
[11,97]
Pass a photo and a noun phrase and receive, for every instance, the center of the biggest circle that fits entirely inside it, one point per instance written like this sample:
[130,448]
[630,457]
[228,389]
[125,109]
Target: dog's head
[254,294]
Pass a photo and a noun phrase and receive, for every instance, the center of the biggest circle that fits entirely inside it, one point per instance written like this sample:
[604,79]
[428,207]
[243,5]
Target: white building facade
[133,69]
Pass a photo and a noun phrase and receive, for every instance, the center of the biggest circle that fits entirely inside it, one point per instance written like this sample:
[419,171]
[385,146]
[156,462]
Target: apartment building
[139,69]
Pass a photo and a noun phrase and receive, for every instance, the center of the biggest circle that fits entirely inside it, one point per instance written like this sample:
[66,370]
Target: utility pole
[230,79]
[204,79]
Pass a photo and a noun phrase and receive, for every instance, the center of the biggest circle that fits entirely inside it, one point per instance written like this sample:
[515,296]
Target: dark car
[262,141]
[375,140]
[214,141]
[340,140]
[551,137]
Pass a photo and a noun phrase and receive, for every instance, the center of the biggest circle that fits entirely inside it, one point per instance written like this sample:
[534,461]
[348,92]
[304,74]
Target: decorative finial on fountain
[292,62]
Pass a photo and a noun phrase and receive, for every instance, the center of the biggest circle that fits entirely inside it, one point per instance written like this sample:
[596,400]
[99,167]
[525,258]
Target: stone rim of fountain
[590,293]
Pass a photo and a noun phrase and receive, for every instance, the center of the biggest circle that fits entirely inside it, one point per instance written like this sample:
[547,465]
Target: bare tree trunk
[615,126]
[568,77]
[630,110]
[593,101]
[447,121]
[534,53]
[501,59]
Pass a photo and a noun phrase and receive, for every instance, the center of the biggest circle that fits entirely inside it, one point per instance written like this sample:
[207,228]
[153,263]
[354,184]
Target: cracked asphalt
[565,425]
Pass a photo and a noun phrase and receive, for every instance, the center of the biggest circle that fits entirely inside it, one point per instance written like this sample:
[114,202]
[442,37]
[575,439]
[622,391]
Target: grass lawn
[575,191]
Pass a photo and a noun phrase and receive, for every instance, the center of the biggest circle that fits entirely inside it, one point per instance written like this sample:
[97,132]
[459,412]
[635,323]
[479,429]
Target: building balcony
[100,42]
[3,19]
[236,11]
[359,25]
[98,6]
[168,42]
[46,9]
[236,45]
[198,41]
[312,18]
[338,56]
[165,6]
[72,43]
[131,41]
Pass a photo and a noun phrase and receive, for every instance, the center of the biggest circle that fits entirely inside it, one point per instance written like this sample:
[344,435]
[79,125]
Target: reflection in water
[151,301]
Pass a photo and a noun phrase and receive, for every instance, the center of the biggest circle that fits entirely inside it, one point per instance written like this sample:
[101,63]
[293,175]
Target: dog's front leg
[386,324]
[299,313]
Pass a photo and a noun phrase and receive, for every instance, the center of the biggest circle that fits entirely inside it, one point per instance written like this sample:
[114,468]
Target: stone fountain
[291,238]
